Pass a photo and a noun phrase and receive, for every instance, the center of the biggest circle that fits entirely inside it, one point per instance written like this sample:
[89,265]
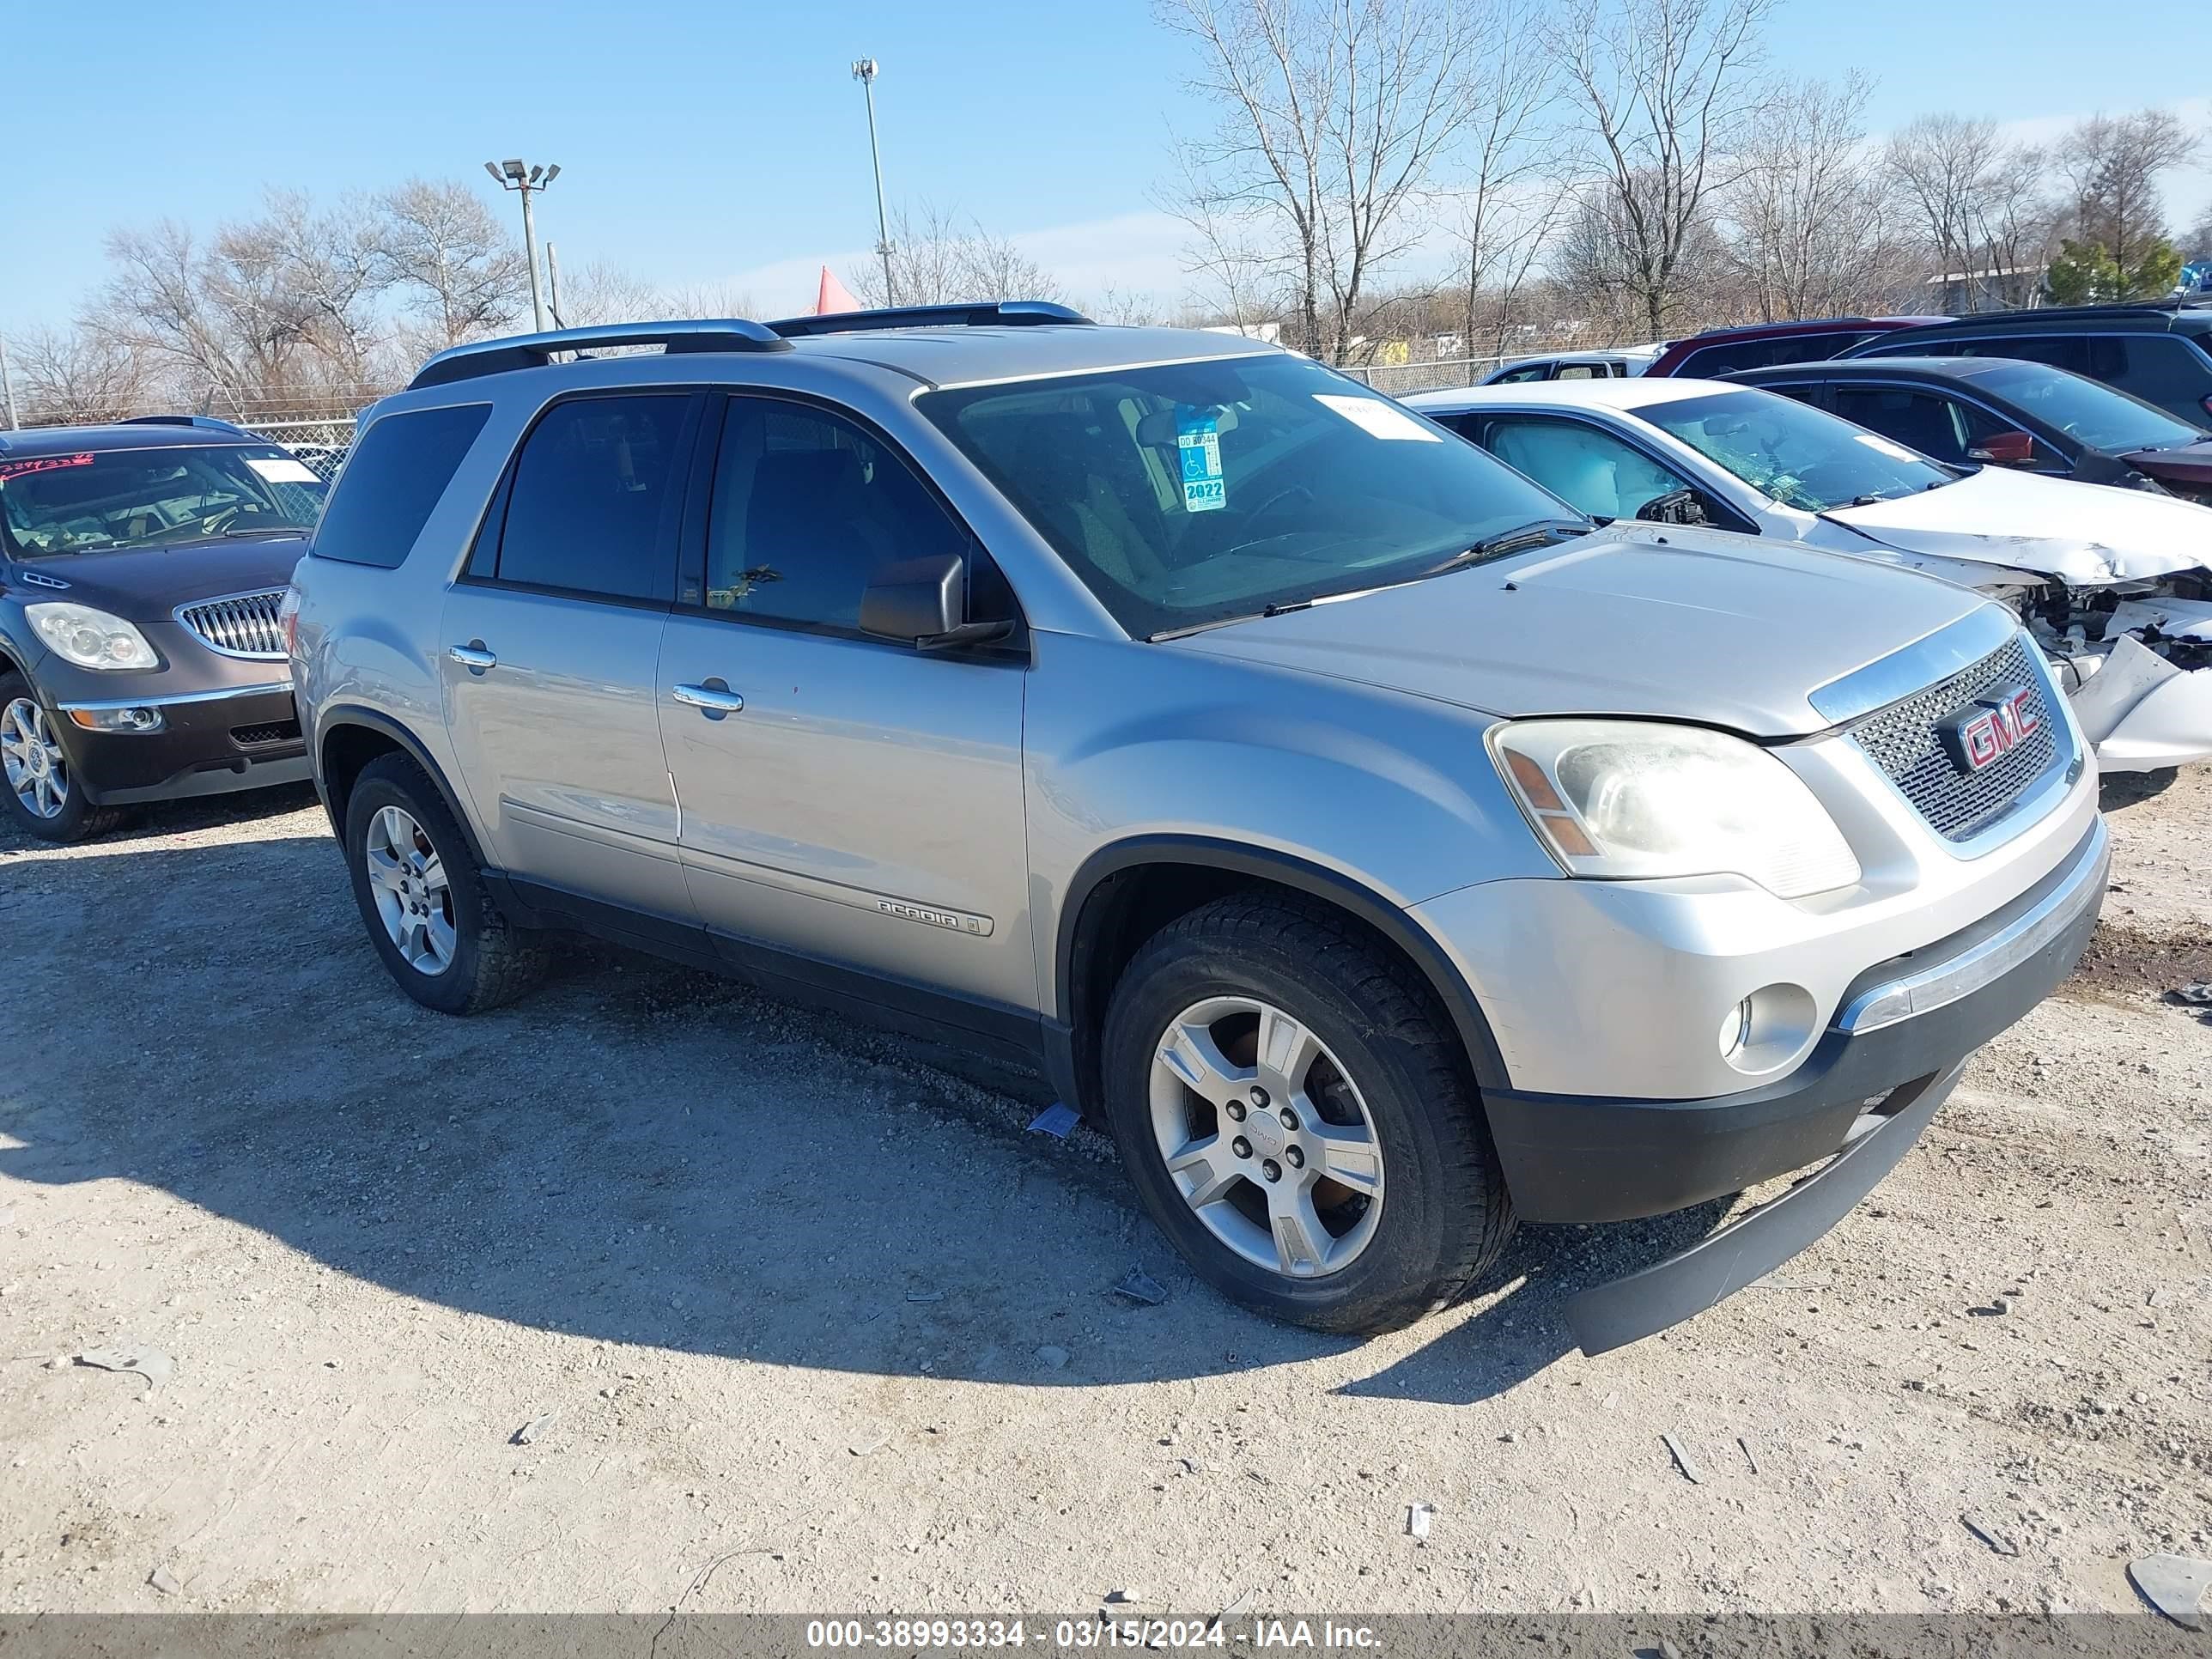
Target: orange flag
[833,296]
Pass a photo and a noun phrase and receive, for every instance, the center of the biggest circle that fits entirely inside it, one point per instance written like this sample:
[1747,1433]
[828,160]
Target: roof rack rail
[2111,308]
[208,422]
[1793,322]
[986,313]
[466,362]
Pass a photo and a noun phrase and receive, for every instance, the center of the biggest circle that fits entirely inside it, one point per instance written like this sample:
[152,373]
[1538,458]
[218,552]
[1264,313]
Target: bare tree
[2113,166]
[938,258]
[1808,216]
[2195,242]
[705,300]
[1334,115]
[1666,91]
[1238,274]
[1979,200]
[601,292]
[458,273]
[1126,307]
[1508,198]
[76,377]
[156,300]
[1599,260]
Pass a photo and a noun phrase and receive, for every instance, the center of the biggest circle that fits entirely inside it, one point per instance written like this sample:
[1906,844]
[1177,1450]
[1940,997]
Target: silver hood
[1703,626]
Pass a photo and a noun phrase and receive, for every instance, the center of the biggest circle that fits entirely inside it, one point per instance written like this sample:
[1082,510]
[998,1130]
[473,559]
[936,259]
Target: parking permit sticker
[281,468]
[1896,451]
[1197,440]
[1378,419]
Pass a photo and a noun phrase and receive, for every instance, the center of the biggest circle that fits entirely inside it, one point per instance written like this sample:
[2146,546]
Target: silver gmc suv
[1379,849]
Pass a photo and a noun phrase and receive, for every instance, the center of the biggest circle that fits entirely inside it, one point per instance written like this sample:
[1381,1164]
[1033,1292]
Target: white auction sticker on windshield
[1378,419]
[1197,440]
[281,468]
[1896,451]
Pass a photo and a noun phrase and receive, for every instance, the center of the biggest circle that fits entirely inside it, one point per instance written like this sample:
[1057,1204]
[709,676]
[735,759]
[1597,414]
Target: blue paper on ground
[1056,1120]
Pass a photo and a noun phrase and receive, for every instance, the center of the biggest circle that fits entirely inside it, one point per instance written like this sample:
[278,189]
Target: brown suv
[141,568]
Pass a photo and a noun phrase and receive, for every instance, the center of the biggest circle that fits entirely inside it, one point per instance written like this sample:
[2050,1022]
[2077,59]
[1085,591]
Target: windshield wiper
[1537,533]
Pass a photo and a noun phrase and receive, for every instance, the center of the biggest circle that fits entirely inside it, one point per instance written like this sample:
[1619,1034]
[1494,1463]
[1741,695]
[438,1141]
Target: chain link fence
[1397,380]
[318,446]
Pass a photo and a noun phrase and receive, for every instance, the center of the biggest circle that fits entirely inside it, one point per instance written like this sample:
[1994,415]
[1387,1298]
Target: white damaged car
[2113,583]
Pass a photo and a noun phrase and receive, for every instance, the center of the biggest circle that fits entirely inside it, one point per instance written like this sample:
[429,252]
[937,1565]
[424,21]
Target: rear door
[852,807]
[552,643]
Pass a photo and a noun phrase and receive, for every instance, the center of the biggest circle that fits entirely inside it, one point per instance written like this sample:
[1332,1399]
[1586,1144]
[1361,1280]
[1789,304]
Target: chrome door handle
[473,657]
[713,699]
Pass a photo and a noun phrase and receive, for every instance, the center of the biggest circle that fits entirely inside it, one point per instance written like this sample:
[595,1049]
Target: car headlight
[1631,799]
[89,638]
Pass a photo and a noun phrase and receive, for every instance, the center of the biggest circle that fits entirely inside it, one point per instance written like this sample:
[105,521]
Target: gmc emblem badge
[1989,726]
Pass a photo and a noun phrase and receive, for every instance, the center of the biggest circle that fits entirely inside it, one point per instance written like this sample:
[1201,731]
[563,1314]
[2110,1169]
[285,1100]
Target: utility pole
[864,71]
[514,174]
[8,385]
[553,286]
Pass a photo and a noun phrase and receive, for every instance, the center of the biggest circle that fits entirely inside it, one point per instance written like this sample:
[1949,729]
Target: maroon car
[1720,351]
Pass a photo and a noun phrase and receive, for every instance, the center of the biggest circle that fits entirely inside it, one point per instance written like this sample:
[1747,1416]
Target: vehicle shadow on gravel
[1523,1327]
[637,1153]
[179,817]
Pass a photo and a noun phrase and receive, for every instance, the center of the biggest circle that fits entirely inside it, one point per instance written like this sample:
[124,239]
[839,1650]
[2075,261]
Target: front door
[848,801]
[551,649]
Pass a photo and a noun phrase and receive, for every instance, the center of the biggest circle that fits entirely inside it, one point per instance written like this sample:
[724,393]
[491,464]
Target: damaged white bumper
[2138,675]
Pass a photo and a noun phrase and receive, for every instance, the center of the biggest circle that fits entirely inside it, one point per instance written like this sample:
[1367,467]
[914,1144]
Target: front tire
[1297,1117]
[429,915]
[39,791]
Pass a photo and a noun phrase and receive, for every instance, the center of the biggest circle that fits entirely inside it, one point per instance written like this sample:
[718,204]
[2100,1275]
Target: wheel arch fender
[1079,1001]
[352,717]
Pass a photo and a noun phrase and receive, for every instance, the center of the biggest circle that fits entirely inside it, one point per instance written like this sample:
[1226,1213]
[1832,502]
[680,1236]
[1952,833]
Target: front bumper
[2144,713]
[210,743]
[1900,1023]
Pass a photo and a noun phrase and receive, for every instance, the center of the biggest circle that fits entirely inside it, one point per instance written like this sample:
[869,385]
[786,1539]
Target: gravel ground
[806,1321]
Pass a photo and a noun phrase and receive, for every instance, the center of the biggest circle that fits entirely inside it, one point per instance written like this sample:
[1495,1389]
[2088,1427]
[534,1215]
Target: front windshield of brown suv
[94,500]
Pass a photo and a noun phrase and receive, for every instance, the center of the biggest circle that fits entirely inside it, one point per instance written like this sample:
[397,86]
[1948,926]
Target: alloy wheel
[407,879]
[33,759]
[1266,1137]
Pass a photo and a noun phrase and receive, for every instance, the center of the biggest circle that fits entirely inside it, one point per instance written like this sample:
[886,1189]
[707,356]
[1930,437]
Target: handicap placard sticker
[1197,440]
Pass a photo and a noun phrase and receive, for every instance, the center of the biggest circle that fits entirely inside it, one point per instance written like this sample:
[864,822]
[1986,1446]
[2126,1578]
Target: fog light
[117,719]
[1768,1029]
[1735,1030]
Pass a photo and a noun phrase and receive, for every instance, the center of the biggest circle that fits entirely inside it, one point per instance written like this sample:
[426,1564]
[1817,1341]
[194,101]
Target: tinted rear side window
[593,503]
[1723,359]
[393,480]
[2158,368]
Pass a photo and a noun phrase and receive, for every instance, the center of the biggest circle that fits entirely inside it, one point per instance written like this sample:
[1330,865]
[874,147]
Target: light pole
[864,71]
[517,176]
[7,385]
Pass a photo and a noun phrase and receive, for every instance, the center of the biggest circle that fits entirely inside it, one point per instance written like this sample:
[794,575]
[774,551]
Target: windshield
[90,500]
[1193,493]
[1802,457]
[2094,414]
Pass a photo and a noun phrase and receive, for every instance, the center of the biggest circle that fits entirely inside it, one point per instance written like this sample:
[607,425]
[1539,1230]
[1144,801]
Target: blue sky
[722,144]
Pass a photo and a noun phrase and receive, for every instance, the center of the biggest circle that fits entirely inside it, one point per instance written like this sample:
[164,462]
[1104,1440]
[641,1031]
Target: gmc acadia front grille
[243,625]
[1903,741]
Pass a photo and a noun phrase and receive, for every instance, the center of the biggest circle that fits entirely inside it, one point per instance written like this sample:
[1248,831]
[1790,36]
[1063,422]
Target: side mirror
[2004,449]
[924,603]
[1675,506]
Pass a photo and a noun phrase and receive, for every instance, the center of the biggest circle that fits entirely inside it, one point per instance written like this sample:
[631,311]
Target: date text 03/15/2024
[1079,1635]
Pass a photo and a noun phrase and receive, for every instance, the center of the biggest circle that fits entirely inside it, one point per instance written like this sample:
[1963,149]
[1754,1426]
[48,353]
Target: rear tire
[39,793]
[429,913]
[1378,1090]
